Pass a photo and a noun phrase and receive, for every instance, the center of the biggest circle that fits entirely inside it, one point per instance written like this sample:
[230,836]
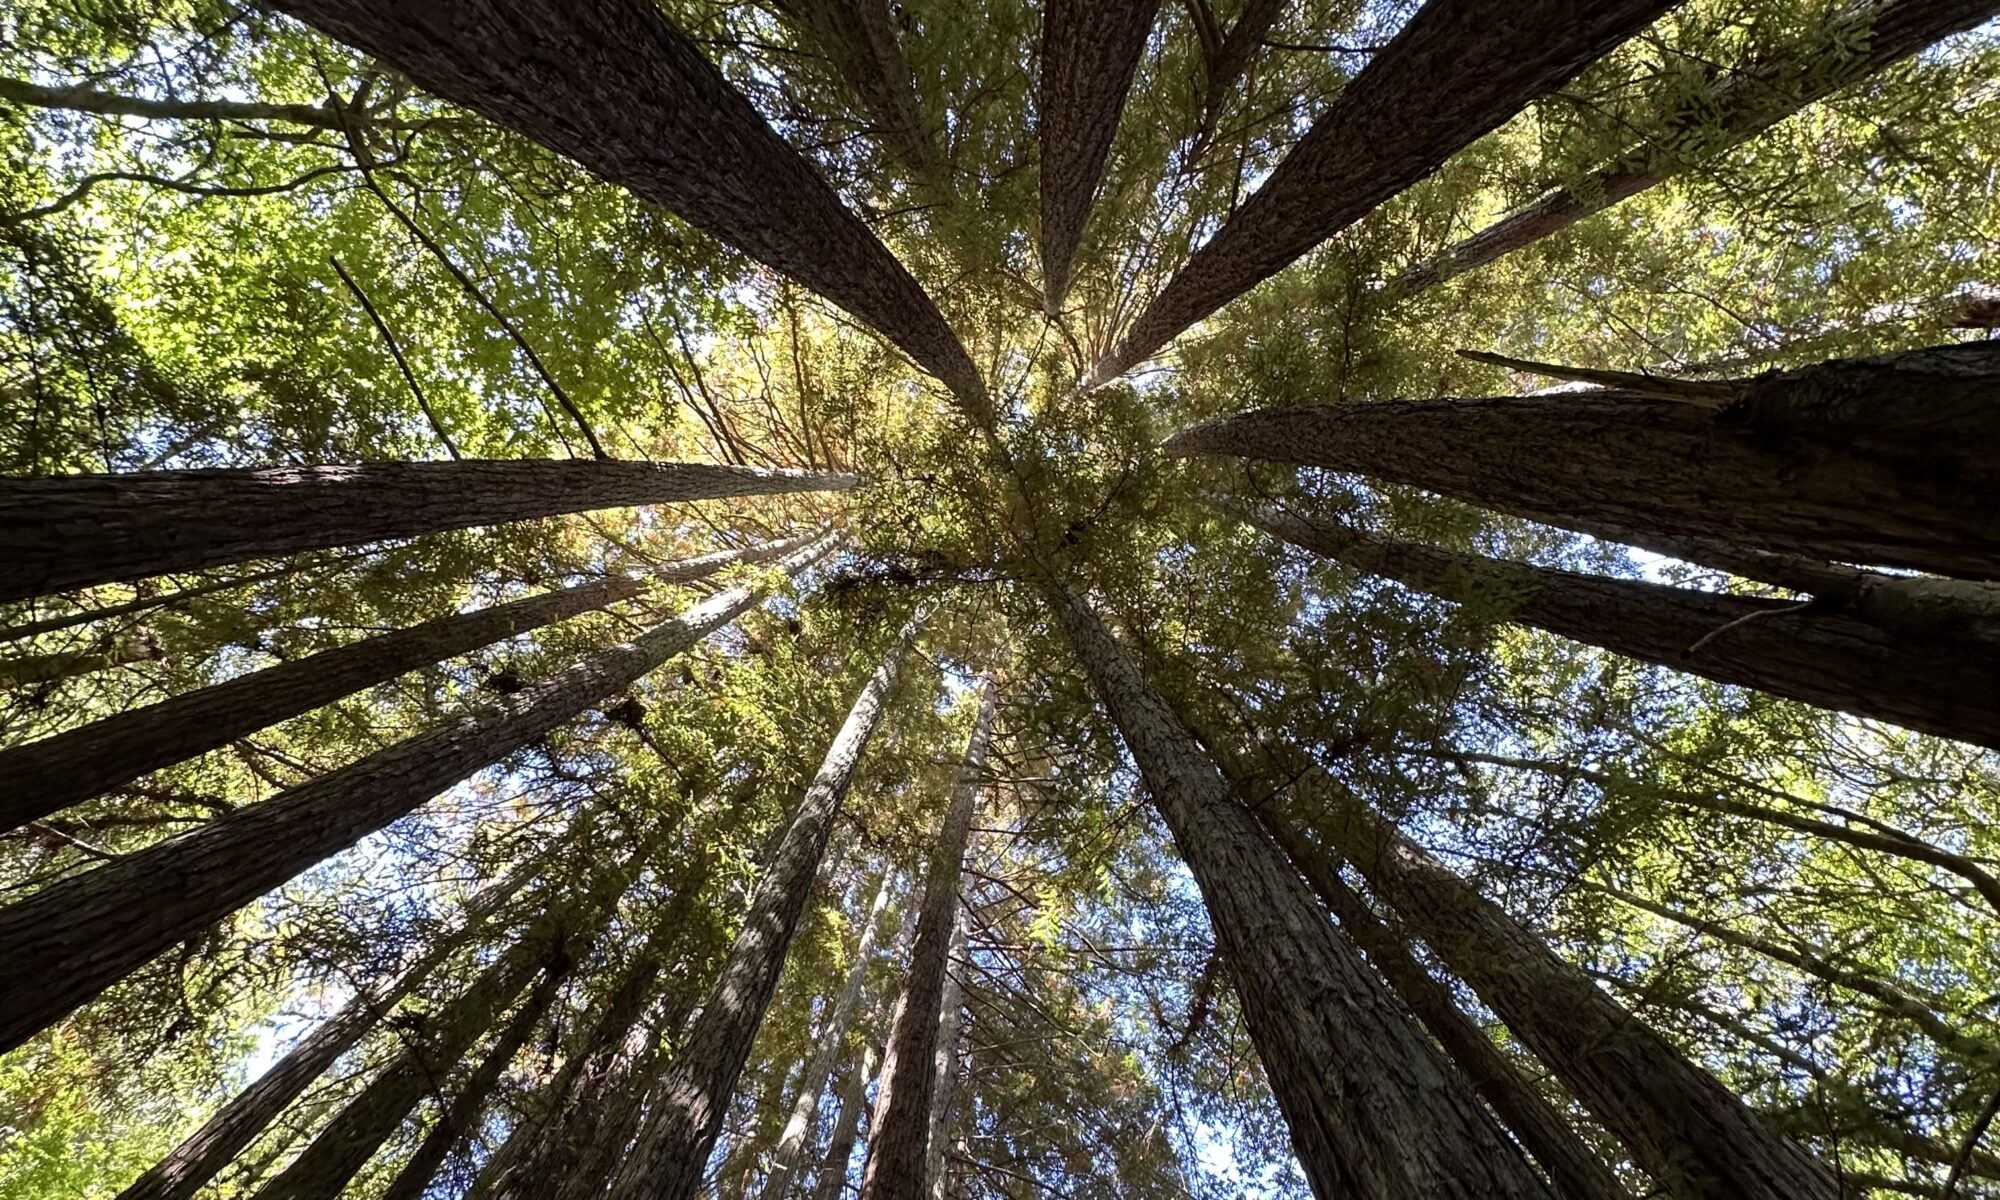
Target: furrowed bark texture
[899,1134]
[1778,646]
[1577,1173]
[80,935]
[69,531]
[690,1101]
[944,1065]
[1883,461]
[615,86]
[52,774]
[859,37]
[803,1121]
[194,1162]
[1747,102]
[1454,73]
[1685,1129]
[833,1164]
[1090,51]
[1375,1111]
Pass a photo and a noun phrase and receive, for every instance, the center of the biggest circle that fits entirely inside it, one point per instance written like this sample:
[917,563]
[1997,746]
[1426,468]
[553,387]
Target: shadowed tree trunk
[1375,1111]
[859,38]
[47,776]
[691,1099]
[194,1162]
[615,86]
[1883,461]
[1577,1173]
[1745,103]
[80,935]
[899,1132]
[832,1183]
[800,1126]
[1688,1131]
[459,1117]
[69,531]
[1456,71]
[1090,51]
[944,1068]
[1783,647]
[1226,64]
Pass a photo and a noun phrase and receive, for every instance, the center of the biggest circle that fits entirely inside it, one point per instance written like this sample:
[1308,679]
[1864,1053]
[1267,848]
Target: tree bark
[78,936]
[54,773]
[1232,57]
[859,37]
[193,1163]
[691,1099]
[1779,646]
[1875,461]
[802,1123]
[1690,1133]
[1090,52]
[832,1183]
[944,1072]
[899,1132]
[615,86]
[1375,1111]
[1456,71]
[1577,1173]
[70,531]
[1745,103]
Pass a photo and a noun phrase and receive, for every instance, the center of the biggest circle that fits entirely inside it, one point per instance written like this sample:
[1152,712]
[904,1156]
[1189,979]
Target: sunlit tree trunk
[900,1129]
[78,936]
[1456,71]
[1749,100]
[1090,51]
[1374,1109]
[944,1073]
[206,1151]
[615,86]
[1784,647]
[800,1126]
[46,776]
[832,1182]
[859,36]
[691,1099]
[1885,461]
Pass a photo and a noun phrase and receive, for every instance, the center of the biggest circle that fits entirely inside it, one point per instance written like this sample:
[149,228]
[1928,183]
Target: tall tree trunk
[691,1100]
[70,531]
[800,1126]
[1577,1173]
[899,1133]
[615,86]
[459,1117]
[1456,71]
[832,1182]
[1226,64]
[78,936]
[859,37]
[944,1071]
[1090,51]
[198,1158]
[1874,461]
[1783,647]
[1746,102]
[1688,1131]
[1375,1111]
[47,776]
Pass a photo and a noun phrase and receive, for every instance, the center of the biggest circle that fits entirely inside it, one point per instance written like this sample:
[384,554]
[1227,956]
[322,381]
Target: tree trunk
[1456,71]
[1375,1111]
[193,1163]
[458,1118]
[1745,103]
[803,1121]
[1232,57]
[832,1183]
[899,1132]
[944,1072]
[1875,461]
[70,531]
[615,86]
[859,37]
[1090,52]
[1577,1173]
[54,773]
[690,1101]
[1783,647]
[1694,1136]
[78,936]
